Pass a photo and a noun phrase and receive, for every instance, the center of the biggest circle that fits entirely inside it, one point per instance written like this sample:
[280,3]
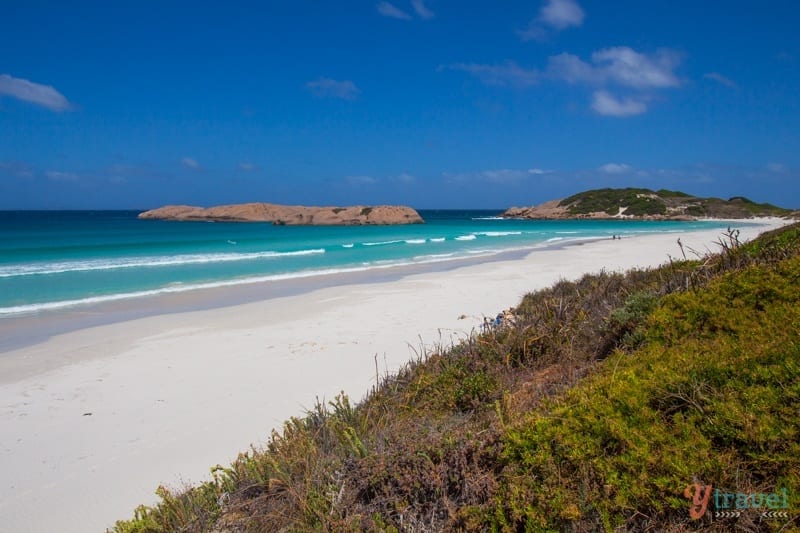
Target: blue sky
[432,103]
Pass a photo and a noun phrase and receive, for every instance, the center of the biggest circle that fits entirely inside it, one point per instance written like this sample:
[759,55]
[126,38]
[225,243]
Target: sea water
[61,259]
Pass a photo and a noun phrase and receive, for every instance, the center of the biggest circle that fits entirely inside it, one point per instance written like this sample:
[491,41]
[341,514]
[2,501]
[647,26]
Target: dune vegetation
[592,408]
[646,202]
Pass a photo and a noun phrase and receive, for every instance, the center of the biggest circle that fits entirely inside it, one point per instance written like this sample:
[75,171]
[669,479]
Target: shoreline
[100,416]
[25,330]
[22,330]
[28,329]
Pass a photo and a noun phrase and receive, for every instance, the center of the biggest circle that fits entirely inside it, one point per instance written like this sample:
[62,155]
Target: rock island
[289,215]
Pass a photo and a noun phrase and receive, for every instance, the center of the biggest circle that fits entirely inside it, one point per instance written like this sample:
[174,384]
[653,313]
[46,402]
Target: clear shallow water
[59,259]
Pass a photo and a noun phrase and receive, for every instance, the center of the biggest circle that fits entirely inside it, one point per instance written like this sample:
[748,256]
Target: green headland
[646,203]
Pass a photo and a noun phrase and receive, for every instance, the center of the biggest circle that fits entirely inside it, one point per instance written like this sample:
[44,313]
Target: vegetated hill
[593,409]
[289,215]
[645,203]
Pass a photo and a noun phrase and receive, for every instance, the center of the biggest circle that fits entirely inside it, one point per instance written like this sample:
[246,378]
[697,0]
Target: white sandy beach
[124,407]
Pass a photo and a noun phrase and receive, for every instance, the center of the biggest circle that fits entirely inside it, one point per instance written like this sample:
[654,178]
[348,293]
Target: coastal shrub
[711,396]
[593,410]
[188,510]
[645,205]
[666,193]
[637,201]
[695,210]
[774,246]
[625,323]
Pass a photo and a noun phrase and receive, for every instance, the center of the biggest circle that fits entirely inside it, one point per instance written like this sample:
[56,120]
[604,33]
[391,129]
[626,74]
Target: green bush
[712,396]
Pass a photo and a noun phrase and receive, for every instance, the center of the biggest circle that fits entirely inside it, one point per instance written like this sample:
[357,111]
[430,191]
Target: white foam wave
[349,245]
[415,241]
[176,288]
[498,233]
[381,243]
[140,262]
[431,257]
[438,239]
[466,237]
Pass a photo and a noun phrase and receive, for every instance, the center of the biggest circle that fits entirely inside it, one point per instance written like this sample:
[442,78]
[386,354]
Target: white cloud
[62,176]
[389,10]
[572,69]
[188,162]
[16,168]
[244,166]
[538,171]
[633,69]
[620,65]
[778,168]
[561,14]
[422,10]
[329,88]
[615,168]
[605,104]
[719,78]
[640,73]
[361,180]
[405,178]
[502,176]
[508,73]
[35,93]
[555,15]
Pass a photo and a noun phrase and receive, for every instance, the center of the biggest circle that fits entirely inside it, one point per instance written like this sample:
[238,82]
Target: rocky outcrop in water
[289,215]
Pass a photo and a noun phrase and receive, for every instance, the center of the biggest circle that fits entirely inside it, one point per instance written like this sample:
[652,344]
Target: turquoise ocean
[52,260]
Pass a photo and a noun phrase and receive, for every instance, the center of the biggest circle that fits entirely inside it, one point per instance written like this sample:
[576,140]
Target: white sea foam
[415,241]
[381,243]
[178,287]
[466,237]
[433,257]
[349,245]
[438,239]
[9,271]
[175,288]
[498,233]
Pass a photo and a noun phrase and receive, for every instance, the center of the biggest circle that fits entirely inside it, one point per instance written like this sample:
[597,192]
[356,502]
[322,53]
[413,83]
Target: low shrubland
[592,409]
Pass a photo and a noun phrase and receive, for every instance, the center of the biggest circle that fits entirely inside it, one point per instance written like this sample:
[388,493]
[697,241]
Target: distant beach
[103,401]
